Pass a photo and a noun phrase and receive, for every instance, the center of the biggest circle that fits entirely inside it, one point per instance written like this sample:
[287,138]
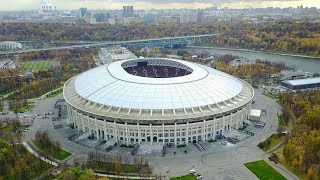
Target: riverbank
[249,50]
[301,62]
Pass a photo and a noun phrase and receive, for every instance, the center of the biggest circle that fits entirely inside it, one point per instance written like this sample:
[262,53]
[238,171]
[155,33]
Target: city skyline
[155,4]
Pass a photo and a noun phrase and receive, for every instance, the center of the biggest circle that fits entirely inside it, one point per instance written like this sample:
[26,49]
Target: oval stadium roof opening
[156,68]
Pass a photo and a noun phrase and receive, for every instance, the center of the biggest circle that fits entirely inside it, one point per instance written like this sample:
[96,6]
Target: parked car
[192,171]
[199,177]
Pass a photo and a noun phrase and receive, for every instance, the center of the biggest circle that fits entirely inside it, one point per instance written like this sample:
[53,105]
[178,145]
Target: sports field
[36,65]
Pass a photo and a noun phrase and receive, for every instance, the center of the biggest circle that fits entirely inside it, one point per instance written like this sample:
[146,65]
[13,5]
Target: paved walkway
[282,170]
[26,145]
[123,177]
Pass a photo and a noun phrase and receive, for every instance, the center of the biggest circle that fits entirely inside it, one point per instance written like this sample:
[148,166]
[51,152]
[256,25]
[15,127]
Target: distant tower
[83,12]
[128,11]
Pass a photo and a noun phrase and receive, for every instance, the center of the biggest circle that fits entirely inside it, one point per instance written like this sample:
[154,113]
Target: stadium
[158,100]
[9,45]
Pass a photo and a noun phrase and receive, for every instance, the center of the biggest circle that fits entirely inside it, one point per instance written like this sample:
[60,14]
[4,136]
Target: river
[304,63]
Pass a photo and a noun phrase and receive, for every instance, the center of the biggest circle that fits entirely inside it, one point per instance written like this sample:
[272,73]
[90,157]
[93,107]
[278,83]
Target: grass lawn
[23,109]
[61,156]
[8,128]
[36,65]
[211,140]
[185,177]
[181,145]
[282,121]
[271,142]
[101,166]
[55,93]
[129,146]
[243,127]
[264,171]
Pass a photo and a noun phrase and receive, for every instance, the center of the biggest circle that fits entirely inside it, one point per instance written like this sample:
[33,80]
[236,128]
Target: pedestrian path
[123,177]
[27,146]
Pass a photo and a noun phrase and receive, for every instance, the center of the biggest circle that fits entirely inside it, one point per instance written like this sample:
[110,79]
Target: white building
[9,45]
[116,53]
[188,17]
[157,100]
[6,65]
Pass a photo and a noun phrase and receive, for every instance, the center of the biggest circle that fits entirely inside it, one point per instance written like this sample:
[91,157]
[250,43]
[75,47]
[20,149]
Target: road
[107,44]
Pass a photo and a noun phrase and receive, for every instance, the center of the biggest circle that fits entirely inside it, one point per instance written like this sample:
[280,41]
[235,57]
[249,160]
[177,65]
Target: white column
[105,130]
[134,135]
[241,115]
[151,134]
[231,122]
[127,136]
[97,131]
[203,132]
[214,128]
[223,124]
[237,119]
[139,134]
[175,134]
[115,134]
[77,119]
[163,134]
[89,124]
[187,135]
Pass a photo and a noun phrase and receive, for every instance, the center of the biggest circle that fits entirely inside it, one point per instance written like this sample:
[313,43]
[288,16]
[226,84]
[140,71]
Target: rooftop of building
[307,81]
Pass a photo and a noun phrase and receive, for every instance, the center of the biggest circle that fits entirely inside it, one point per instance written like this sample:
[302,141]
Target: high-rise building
[128,11]
[100,17]
[188,17]
[149,18]
[201,16]
[83,12]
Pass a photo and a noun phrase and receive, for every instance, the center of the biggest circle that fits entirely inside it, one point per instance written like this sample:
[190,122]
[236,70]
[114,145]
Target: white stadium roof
[110,85]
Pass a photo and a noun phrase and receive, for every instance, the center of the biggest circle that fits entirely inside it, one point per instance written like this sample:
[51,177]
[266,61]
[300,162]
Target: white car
[192,171]
[224,142]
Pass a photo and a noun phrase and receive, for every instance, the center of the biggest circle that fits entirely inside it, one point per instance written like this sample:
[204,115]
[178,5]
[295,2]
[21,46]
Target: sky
[150,4]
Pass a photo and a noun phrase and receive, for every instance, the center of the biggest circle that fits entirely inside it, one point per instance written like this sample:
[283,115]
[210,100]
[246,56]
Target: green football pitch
[36,65]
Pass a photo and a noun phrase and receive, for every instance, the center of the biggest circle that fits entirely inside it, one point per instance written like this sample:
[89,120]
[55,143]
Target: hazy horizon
[154,4]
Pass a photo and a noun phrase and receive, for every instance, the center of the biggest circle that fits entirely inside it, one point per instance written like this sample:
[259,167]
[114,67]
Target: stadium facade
[157,100]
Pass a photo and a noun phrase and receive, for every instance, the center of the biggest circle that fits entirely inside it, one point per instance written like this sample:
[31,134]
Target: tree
[118,167]
[313,172]
[88,175]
